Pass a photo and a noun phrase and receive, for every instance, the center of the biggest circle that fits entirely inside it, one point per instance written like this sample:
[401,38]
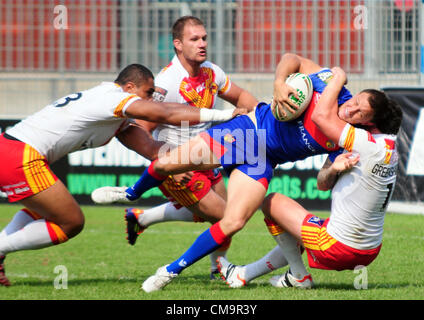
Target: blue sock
[148,180]
[207,242]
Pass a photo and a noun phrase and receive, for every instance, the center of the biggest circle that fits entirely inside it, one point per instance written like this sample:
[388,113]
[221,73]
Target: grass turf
[100,265]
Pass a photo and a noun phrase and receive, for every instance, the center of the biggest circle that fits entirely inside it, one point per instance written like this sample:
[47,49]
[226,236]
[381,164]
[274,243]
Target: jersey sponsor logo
[325,76]
[305,136]
[200,92]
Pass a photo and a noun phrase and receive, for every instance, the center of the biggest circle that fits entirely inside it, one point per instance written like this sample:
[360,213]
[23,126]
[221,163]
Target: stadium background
[50,48]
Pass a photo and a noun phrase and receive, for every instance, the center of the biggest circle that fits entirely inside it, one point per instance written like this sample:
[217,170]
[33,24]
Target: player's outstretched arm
[174,113]
[240,98]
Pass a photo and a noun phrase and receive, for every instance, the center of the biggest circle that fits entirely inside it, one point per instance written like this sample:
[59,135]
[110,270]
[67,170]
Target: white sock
[19,220]
[291,252]
[164,212]
[35,235]
[214,255]
[270,262]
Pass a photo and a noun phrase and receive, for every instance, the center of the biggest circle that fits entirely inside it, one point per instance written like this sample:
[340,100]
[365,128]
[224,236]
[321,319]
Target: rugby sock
[268,263]
[164,212]
[220,252]
[35,235]
[208,241]
[148,180]
[290,249]
[19,220]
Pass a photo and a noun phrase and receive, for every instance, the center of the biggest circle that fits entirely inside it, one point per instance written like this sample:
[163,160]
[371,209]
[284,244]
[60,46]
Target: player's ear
[178,44]
[129,87]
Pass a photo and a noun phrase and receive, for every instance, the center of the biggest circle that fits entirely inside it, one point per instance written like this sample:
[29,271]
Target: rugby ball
[303,86]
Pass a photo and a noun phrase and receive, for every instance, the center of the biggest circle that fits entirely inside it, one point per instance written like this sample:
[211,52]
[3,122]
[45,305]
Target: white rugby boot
[106,195]
[233,275]
[159,280]
[287,280]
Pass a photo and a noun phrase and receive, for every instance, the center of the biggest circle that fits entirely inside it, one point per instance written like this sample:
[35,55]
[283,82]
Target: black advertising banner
[410,144]
[115,165]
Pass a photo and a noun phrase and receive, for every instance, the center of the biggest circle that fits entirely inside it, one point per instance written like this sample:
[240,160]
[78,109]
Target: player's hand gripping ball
[303,86]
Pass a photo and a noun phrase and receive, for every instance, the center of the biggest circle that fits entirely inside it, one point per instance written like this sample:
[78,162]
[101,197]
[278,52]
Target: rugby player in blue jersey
[248,148]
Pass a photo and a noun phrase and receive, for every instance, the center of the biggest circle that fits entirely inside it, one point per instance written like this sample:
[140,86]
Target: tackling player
[362,181]
[86,119]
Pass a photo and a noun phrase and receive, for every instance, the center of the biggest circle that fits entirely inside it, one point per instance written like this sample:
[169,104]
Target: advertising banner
[410,144]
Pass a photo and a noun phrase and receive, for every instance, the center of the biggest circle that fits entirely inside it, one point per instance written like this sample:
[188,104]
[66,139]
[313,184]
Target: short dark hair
[136,73]
[387,112]
[178,27]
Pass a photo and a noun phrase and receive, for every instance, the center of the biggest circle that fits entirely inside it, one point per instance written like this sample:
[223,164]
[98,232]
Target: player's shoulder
[211,65]
[105,87]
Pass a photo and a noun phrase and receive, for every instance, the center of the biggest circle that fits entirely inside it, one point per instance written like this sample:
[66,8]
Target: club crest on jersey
[315,220]
[229,138]
[330,144]
[200,91]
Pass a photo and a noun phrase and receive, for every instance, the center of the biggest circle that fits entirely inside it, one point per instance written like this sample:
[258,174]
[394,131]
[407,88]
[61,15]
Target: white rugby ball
[303,86]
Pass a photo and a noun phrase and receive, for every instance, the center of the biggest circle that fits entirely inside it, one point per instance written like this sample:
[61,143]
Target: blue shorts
[239,145]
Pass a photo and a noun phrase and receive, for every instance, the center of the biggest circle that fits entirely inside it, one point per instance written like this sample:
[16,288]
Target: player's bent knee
[266,205]
[74,226]
[233,226]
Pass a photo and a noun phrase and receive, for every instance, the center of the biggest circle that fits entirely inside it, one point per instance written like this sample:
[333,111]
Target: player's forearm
[196,115]
[140,141]
[174,113]
[289,63]
[327,178]
[327,105]
[246,100]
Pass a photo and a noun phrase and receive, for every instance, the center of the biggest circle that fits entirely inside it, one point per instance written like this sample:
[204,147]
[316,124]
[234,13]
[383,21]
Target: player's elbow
[318,117]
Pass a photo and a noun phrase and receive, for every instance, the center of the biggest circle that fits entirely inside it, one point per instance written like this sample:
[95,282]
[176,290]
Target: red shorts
[325,252]
[23,171]
[192,192]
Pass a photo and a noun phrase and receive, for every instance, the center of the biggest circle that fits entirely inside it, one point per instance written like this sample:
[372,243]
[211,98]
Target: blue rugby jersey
[300,138]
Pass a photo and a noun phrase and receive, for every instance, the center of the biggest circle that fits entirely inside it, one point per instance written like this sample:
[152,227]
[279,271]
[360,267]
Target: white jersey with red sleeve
[86,119]
[361,195]
[173,84]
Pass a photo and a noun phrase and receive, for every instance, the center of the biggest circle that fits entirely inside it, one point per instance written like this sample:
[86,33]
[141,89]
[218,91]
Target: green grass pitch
[101,265]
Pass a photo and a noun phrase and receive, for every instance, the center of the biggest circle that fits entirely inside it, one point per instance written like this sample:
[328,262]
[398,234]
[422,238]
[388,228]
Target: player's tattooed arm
[330,171]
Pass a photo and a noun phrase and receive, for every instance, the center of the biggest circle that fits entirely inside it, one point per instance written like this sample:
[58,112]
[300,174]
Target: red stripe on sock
[153,173]
[217,234]
[56,233]
[52,234]
[32,214]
